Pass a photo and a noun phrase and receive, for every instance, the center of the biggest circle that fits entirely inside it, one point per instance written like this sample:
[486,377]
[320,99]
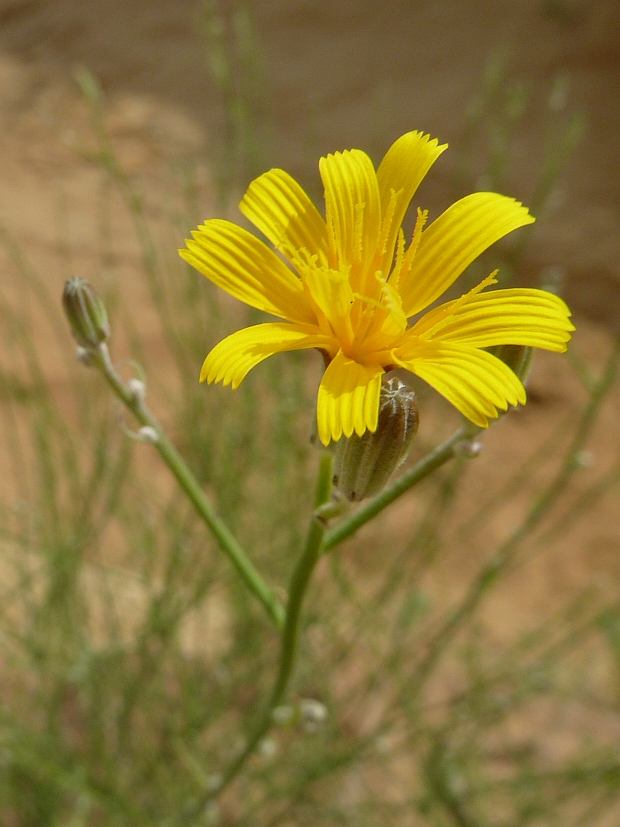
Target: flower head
[352,283]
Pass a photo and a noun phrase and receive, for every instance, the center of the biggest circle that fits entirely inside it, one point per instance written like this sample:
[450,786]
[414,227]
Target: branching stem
[418,472]
[229,545]
[297,591]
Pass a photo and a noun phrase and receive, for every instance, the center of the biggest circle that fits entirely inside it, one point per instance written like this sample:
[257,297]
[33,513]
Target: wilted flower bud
[86,314]
[363,464]
[517,357]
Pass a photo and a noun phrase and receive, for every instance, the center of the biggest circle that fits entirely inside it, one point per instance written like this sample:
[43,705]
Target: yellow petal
[279,207]
[231,360]
[453,241]
[404,166]
[353,209]
[392,302]
[233,259]
[519,316]
[474,381]
[348,399]
[332,294]
[385,319]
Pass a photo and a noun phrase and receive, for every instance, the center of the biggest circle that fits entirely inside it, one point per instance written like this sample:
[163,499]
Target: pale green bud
[363,464]
[86,314]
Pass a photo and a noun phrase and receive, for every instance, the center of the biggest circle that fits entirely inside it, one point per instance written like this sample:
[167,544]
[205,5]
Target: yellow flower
[352,284]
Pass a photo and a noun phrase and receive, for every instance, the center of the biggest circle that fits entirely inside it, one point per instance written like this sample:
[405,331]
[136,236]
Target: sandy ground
[353,73]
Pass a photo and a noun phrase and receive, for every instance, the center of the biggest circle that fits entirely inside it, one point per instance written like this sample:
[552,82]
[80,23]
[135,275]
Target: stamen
[358,232]
[331,236]
[367,300]
[400,254]
[458,304]
[389,305]
[413,247]
[420,223]
[303,257]
[387,222]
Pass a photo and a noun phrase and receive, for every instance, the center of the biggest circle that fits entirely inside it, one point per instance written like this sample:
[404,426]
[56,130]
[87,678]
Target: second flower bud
[363,464]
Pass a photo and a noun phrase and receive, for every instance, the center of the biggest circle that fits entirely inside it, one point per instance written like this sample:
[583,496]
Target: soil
[353,73]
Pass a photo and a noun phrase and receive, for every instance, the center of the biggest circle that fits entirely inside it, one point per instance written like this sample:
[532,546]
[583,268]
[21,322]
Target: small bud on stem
[363,464]
[137,388]
[86,314]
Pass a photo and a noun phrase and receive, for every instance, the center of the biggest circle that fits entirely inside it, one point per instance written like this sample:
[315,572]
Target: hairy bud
[363,464]
[86,314]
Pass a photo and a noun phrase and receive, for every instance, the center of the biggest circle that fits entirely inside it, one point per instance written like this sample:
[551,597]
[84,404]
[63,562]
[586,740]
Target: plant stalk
[297,591]
[229,545]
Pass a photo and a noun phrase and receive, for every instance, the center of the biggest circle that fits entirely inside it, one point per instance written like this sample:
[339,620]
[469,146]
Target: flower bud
[137,389]
[147,434]
[363,464]
[313,714]
[517,357]
[86,314]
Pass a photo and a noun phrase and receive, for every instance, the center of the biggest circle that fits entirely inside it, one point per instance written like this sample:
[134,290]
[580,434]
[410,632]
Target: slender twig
[297,591]
[229,545]
[418,472]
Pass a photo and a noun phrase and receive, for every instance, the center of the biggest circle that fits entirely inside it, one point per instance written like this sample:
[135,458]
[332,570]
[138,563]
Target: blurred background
[466,648]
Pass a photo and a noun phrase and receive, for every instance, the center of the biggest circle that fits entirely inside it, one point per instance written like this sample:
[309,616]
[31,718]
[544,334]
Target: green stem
[297,591]
[418,472]
[189,484]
